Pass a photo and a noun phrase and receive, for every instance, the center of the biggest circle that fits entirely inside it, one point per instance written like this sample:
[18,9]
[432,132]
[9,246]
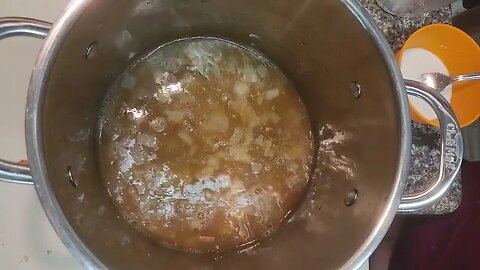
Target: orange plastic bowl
[461,55]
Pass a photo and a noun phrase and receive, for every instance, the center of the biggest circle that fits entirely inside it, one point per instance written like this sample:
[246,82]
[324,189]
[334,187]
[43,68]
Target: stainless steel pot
[344,70]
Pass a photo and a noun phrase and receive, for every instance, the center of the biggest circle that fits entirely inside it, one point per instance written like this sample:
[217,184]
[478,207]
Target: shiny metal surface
[440,81]
[17,26]
[363,144]
[9,27]
[451,148]
[15,172]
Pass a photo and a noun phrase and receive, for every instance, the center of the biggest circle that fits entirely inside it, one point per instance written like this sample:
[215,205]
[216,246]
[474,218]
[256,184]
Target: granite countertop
[426,139]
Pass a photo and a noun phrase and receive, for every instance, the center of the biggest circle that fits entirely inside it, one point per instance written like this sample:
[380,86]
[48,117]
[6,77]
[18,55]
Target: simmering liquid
[204,146]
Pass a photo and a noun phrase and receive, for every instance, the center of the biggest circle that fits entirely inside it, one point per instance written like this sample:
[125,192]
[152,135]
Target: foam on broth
[204,146]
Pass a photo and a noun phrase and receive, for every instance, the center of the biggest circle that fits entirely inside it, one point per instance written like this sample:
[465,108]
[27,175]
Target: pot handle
[451,148]
[10,27]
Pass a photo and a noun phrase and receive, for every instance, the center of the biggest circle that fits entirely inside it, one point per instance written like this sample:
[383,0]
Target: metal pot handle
[451,148]
[10,27]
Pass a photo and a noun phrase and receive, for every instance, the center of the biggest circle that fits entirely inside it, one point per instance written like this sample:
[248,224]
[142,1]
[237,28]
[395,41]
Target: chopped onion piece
[248,137]
[236,136]
[218,122]
[267,150]
[163,98]
[260,140]
[256,167]
[175,116]
[238,105]
[241,89]
[160,77]
[208,239]
[250,74]
[262,71]
[240,153]
[187,78]
[275,118]
[271,94]
[231,67]
[185,137]
[292,166]
[192,150]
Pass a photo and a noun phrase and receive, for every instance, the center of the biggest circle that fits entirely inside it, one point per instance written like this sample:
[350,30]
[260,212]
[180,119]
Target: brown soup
[204,146]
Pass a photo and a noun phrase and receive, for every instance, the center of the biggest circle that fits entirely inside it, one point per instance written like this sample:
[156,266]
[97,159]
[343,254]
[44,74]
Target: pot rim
[35,151]
[393,201]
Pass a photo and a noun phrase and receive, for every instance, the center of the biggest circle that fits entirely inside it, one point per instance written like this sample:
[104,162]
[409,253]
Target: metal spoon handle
[466,77]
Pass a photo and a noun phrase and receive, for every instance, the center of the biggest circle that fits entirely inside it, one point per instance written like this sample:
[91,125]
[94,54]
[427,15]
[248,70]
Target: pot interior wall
[320,45]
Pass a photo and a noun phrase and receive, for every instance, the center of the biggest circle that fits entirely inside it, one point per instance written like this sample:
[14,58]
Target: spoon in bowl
[440,81]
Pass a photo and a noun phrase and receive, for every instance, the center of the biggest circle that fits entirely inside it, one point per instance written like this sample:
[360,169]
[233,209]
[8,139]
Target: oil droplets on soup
[204,146]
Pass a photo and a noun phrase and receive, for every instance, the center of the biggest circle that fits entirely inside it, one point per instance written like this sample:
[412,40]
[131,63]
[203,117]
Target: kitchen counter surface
[426,139]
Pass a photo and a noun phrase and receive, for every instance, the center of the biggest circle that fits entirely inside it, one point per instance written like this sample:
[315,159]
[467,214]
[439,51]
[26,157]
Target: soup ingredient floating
[204,145]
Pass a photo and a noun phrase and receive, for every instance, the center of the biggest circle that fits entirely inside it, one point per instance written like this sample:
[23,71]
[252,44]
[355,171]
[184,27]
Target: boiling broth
[204,146]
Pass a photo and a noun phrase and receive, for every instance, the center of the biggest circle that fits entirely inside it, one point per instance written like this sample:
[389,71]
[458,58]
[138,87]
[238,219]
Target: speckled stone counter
[426,140]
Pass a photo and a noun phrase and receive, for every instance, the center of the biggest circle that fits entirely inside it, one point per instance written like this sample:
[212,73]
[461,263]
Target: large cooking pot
[341,65]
